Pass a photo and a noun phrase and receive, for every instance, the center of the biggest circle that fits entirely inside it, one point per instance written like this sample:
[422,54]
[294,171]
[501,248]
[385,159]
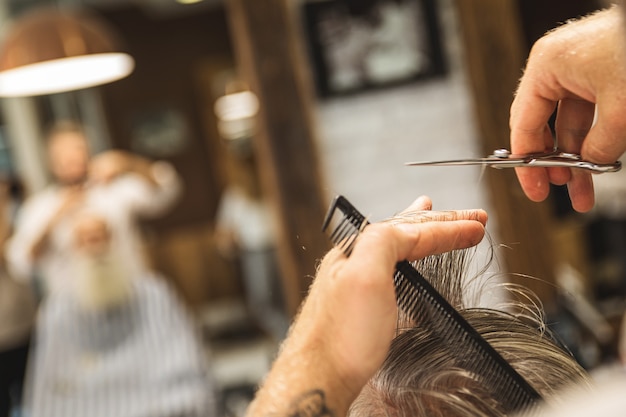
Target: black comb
[417,297]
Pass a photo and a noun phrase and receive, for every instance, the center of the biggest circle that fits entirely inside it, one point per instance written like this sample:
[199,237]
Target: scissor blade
[547,162]
[477,161]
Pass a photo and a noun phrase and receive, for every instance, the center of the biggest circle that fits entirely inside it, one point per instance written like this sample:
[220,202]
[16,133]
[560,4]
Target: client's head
[420,377]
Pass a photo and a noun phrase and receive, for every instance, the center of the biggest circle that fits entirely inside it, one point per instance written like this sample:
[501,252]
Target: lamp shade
[49,51]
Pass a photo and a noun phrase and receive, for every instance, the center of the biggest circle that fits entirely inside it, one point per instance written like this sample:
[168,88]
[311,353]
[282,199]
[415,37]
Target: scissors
[503,158]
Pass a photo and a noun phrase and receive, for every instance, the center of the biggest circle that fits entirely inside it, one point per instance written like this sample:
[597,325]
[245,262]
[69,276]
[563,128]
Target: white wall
[365,140]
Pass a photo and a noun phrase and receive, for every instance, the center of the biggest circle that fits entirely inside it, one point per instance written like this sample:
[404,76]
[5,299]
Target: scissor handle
[581,164]
[549,159]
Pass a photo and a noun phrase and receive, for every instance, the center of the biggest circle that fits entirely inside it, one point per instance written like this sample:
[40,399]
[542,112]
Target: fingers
[424,233]
[576,65]
[385,244]
[535,100]
[421,203]
[108,165]
[438,237]
[580,189]
[451,215]
[545,84]
[573,122]
[433,216]
[411,235]
[421,211]
[530,133]
[606,141]
[381,245]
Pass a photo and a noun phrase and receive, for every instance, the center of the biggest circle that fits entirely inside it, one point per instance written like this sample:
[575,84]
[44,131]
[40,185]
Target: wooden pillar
[496,51]
[269,49]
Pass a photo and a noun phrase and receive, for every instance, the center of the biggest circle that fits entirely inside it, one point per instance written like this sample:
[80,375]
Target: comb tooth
[516,400]
[411,301]
[348,244]
[435,313]
[354,223]
[403,292]
[343,235]
[339,231]
[489,373]
[348,241]
[357,225]
[509,389]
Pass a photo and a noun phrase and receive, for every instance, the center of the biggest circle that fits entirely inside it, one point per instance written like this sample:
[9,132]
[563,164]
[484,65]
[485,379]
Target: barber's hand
[345,327]
[354,298]
[576,67]
[108,165]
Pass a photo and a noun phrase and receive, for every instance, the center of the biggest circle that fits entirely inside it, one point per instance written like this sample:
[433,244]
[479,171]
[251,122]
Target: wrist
[304,377]
[332,366]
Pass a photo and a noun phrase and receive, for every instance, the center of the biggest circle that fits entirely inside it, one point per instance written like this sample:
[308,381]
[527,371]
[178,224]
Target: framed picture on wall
[358,45]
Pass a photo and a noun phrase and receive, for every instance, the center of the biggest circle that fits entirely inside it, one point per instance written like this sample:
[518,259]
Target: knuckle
[379,231]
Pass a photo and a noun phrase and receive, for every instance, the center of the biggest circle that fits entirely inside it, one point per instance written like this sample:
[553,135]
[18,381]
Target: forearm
[302,382]
[159,192]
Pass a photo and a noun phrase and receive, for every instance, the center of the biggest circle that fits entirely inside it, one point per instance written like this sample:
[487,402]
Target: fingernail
[423,202]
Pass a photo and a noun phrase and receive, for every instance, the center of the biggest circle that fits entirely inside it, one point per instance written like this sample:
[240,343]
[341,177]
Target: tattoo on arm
[310,404]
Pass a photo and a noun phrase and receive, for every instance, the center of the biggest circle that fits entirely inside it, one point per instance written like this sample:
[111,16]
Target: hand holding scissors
[502,158]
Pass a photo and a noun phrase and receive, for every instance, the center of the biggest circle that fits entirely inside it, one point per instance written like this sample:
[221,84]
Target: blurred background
[300,101]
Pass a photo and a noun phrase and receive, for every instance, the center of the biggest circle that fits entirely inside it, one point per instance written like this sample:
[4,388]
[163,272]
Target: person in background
[124,186]
[17,309]
[114,343]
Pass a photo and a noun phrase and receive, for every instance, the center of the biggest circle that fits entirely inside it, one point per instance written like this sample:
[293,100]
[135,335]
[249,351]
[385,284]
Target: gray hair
[420,378]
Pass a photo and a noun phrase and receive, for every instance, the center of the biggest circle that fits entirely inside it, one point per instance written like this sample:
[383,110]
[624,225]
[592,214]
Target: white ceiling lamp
[49,50]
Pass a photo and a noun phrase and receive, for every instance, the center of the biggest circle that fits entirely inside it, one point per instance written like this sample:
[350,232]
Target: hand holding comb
[417,297]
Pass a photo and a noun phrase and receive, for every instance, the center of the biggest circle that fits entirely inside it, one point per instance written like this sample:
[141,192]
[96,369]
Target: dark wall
[164,109]
[539,16]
